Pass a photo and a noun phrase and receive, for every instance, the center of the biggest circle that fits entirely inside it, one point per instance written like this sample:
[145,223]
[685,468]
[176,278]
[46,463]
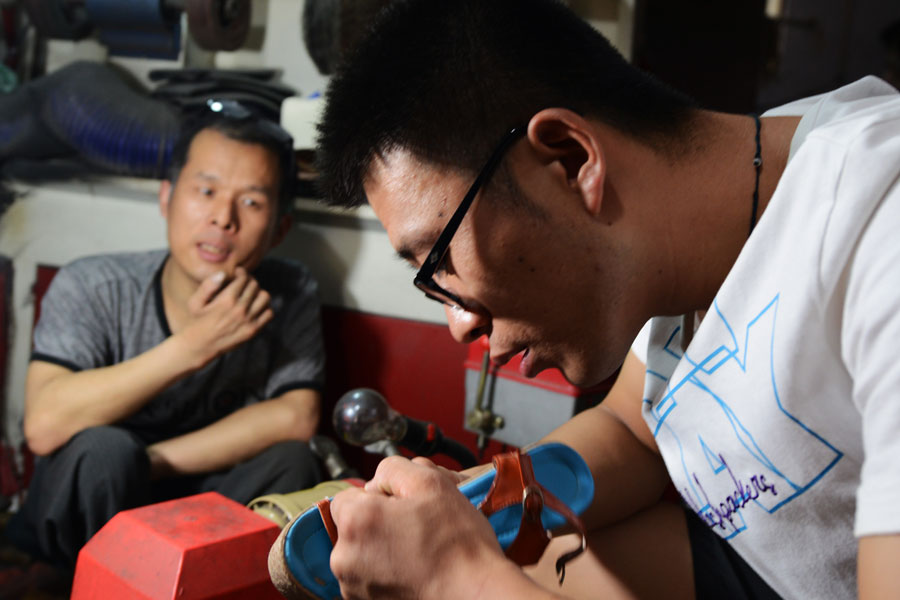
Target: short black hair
[445,79]
[252,130]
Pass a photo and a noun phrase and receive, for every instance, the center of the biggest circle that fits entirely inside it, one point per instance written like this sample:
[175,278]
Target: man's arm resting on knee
[619,448]
[60,402]
[877,567]
[241,435]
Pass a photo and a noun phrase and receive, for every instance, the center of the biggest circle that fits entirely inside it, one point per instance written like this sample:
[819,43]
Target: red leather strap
[324,506]
[515,483]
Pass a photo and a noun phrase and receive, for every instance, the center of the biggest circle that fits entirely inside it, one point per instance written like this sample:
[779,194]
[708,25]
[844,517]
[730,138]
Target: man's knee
[295,462]
[290,451]
[280,469]
[106,449]
[78,488]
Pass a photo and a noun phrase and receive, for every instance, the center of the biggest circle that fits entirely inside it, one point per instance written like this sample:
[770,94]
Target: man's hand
[222,318]
[411,534]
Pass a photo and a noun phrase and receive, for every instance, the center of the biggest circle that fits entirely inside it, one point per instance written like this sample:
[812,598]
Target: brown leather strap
[509,481]
[324,506]
[559,506]
[515,483]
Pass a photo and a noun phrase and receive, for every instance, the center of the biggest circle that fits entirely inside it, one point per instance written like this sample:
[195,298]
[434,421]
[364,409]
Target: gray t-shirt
[102,310]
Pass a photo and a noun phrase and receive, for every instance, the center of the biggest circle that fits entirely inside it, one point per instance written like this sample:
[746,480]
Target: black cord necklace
[757,165]
[687,319]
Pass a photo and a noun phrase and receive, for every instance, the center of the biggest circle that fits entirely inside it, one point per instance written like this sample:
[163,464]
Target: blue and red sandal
[523,496]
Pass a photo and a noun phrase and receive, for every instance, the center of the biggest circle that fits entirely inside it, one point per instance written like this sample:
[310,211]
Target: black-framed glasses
[424,279]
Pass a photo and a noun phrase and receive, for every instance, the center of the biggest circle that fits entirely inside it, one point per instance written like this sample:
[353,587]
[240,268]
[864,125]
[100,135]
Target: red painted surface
[10,480]
[203,546]
[42,279]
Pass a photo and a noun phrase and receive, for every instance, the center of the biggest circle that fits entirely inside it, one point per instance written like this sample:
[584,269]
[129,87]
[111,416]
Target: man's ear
[282,227]
[562,136]
[165,194]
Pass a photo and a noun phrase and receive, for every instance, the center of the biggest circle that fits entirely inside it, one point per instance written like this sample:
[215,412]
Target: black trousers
[103,470]
[719,571]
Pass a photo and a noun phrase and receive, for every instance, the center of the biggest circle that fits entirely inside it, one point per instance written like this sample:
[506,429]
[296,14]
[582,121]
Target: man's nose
[466,326]
[223,214]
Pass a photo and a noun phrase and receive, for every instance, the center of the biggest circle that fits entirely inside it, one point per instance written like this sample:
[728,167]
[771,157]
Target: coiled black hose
[92,111]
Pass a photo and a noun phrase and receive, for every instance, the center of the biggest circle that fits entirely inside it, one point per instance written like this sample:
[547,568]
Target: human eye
[445,266]
[206,191]
[251,202]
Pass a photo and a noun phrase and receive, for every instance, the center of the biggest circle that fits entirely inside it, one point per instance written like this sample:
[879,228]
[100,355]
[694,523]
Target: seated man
[161,374]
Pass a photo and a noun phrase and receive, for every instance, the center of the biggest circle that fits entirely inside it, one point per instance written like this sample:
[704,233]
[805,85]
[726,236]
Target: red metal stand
[204,546]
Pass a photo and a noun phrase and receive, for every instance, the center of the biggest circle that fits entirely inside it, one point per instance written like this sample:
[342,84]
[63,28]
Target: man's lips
[527,365]
[501,359]
[213,252]
[527,368]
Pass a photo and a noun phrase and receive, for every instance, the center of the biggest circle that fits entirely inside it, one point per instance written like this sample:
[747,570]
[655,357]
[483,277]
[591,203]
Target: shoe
[523,496]
[282,508]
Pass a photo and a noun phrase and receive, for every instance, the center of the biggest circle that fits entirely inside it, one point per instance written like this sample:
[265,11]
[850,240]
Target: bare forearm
[239,436]
[878,575]
[492,578]
[627,475]
[61,403]
[508,581]
[614,440]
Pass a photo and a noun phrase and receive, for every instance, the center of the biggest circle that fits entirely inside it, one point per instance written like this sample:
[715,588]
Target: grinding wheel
[218,24]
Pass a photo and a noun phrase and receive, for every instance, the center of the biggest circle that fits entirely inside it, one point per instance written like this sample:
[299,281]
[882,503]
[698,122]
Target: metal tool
[482,418]
[362,417]
[328,452]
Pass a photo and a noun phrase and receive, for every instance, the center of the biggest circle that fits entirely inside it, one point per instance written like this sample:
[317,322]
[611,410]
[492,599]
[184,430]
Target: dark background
[730,55]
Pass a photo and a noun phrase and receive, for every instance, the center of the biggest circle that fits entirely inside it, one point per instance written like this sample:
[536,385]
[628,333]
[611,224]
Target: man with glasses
[763,251]
[196,368]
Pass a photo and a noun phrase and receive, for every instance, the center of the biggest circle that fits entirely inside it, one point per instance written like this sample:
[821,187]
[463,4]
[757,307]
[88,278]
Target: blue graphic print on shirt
[725,464]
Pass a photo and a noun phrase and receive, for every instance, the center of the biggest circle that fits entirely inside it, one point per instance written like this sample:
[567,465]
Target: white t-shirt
[780,423]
